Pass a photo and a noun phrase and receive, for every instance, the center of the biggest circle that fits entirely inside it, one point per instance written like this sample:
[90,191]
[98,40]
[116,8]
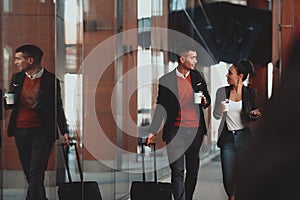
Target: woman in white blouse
[236,106]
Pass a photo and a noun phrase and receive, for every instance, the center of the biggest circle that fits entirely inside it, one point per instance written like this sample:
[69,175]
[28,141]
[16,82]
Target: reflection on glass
[143,9]
[178,5]
[73,20]
[270,80]
[71,44]
[157,7]
[6,5]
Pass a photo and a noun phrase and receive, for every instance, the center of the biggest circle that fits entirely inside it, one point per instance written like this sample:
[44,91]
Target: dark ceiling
[230,31]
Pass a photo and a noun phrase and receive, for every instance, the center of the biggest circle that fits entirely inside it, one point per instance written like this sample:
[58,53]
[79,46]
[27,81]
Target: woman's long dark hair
[244,67]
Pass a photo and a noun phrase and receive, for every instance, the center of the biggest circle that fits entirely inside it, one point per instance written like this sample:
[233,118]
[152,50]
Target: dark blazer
[248,104]
[49,104]
[167,105]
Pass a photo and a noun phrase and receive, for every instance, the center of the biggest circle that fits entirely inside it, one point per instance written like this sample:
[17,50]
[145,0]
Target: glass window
[178,5]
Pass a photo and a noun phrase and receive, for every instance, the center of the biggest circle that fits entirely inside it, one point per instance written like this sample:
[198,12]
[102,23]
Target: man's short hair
[31,51]
[183,49]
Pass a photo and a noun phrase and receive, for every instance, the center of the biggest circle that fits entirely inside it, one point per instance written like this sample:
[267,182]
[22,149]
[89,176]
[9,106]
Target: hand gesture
[150,139]
[203,101]
[256,113]
[66,138]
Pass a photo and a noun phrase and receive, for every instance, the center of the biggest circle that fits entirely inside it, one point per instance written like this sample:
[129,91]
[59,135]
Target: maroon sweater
[27,116]
[187,115]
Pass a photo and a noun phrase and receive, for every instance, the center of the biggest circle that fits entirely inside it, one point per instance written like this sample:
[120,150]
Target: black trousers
[34,147]
[183,153]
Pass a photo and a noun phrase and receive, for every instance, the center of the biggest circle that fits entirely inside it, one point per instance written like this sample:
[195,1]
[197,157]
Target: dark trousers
[34,148]
[234,145]
[183,151]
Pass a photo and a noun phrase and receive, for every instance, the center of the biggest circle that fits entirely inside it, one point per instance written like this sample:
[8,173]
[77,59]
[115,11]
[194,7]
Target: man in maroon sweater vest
[36,115]
[184,126]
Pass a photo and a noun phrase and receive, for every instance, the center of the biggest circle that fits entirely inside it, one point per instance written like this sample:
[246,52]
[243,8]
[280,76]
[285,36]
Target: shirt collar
[36,75]
[181,75]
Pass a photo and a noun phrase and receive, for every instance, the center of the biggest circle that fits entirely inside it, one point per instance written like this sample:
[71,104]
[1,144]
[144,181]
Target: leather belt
[235,132]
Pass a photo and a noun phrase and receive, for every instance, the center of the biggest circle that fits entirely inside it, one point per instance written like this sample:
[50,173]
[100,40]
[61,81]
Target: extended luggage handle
[143,161]
[65,147]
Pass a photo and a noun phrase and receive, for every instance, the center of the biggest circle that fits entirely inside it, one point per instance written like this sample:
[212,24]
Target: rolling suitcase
[77,190]
[146,190]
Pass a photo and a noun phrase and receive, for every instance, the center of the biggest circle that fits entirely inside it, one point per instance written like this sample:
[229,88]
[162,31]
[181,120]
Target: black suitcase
[142,190]
[78,190]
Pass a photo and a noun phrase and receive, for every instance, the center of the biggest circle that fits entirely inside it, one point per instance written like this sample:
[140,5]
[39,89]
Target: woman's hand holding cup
[224,106]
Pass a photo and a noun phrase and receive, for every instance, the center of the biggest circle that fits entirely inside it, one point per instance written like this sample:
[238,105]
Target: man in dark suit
[36,114]
[184,125]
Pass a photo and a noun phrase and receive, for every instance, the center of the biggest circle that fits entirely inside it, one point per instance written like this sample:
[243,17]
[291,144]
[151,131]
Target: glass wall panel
[28,22]
[109,56]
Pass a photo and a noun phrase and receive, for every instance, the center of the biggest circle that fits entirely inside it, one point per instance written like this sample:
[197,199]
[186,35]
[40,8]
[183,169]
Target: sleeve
[160,113]
[204,89]
[12,89]
[253,104]
[207,95]
[61,118]
[253,99]
[219,96]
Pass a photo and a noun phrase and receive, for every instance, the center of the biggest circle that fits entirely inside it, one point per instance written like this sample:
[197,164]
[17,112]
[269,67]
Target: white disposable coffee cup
[198,97]
[226,104]
[9,98]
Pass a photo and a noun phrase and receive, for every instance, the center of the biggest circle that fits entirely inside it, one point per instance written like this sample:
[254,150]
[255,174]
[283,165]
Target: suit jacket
[167,105]
[49,104]
[248,104]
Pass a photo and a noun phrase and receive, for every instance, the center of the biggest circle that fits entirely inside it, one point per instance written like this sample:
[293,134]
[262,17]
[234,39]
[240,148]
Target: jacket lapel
[193,80]
[173,84]
[43,86]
